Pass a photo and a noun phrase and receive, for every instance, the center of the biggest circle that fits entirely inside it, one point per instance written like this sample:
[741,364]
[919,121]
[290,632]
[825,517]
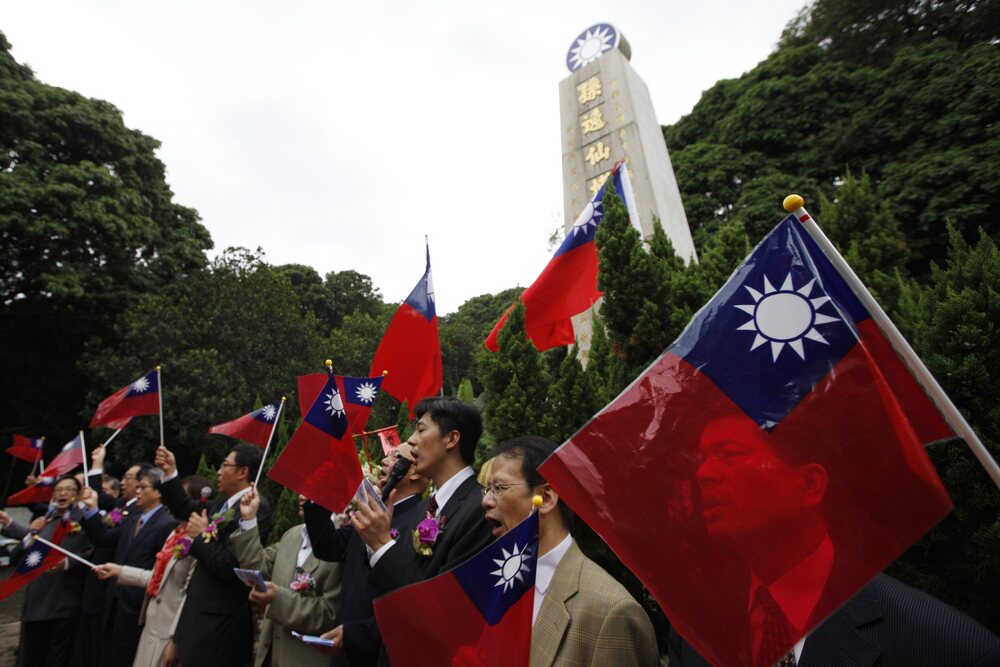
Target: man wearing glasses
[582,616]
[215,628]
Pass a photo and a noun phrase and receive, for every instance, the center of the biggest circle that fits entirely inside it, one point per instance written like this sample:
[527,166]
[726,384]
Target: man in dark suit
[885,623]
[448,527]
[215,628]
[357,638]
[136,541]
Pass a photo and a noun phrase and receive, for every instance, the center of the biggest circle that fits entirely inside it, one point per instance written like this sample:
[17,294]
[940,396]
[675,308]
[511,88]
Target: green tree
[224,336]
[87,226]
[462,333]
[954,324]
[515,380]
[572,399]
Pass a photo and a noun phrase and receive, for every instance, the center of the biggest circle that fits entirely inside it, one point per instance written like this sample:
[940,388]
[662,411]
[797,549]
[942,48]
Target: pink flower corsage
[212,530]
[426,535]
[394,533]
[303,583]
[182,546]
[113,518]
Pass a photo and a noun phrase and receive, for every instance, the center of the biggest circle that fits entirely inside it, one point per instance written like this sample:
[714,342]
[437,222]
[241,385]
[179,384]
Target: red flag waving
[39,492]
[476,614]
[142,397]
[359,396]
[26,449]
[69,458]
[254,428]
[411,350]
[389,437]
[781,443]
[320,461]
[36,560]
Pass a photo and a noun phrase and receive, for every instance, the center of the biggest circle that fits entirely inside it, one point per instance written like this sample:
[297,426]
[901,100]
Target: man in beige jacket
[582,616]
[302,591]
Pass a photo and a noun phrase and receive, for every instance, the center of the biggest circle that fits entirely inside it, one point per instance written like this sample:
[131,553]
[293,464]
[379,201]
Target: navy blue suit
[138,549]
[885,624]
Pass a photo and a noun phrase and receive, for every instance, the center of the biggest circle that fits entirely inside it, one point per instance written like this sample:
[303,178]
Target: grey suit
[311,615]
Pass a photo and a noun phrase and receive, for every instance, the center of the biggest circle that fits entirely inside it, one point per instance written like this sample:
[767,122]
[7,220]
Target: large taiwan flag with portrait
[768,464]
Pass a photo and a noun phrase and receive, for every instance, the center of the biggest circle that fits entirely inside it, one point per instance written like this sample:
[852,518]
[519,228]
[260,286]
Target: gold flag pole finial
[793,203]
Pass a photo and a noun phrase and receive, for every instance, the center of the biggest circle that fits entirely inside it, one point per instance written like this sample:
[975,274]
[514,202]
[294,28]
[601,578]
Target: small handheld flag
[142,397]
[476,614]
[255,427]
[26,449]
[38,557]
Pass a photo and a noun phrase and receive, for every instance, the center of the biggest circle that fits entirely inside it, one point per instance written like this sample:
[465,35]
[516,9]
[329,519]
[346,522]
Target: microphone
[206,493]
[396,475]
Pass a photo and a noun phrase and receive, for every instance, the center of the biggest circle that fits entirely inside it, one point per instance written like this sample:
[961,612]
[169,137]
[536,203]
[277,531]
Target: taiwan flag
[68,458]
[36,560]
[39,492]
[254,428]
[142,397]
[26,449]
[410,349]
[476,614]
[359,396]
[566,287]
[768,464]
[320,461]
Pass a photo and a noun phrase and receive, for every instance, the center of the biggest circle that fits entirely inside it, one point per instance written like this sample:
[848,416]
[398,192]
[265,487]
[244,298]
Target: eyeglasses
[497,489]
[142,487]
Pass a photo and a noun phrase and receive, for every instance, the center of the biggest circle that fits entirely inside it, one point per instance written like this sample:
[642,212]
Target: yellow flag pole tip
[384,373]
[329,363]
[157,368]
[283,399]
[793,203]
[537,501]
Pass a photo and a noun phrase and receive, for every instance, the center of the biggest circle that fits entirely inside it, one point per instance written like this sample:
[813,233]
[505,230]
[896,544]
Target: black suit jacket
[884,624]
[465,532]
[215,627]
[342,545]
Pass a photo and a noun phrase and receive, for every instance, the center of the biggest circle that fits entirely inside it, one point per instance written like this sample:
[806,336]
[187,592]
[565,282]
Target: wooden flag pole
[113,436]
[274,427]
[159,394]
[794,204]
[65,552]
[83,450]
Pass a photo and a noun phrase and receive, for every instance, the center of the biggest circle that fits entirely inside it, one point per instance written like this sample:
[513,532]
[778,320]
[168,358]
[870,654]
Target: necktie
[776,633]
[138,525]
[432,507]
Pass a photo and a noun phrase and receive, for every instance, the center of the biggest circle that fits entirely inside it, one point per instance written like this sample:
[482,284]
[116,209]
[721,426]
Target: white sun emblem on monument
[268,412]
[512,567]
[140,385]
[366,392]
[590,46]
[33,559]
[334,404]
[785,316]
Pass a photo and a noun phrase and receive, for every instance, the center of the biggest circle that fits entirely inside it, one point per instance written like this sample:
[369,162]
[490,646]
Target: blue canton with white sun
[779,325]
[327,412]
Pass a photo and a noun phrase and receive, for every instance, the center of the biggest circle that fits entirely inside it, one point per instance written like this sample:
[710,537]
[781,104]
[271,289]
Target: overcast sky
[338,134]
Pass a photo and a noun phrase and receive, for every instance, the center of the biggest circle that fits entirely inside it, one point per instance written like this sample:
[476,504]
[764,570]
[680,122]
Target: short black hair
[249,456]
[451,414]
[533,450]
[79,487]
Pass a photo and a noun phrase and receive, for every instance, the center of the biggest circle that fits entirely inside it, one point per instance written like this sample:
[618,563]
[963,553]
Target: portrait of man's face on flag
[767,466]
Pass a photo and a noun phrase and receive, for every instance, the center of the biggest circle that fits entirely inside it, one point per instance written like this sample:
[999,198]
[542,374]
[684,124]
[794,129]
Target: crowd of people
[165,591]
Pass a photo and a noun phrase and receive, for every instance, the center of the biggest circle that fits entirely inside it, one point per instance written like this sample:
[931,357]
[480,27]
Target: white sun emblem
[785,316]
[268,412]
[33,558]
[366,392]
[334,404]
[140,385]
[591,214]
[590,46]
[512,567]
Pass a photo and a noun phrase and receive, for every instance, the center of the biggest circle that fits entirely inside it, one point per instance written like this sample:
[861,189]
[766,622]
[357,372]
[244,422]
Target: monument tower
[607,115]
